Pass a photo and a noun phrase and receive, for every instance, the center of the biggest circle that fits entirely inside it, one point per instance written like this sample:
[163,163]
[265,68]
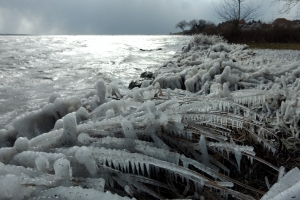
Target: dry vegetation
[263,36]
[279,46]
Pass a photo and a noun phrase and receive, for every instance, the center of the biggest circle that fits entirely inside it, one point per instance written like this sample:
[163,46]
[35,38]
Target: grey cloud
[100,16]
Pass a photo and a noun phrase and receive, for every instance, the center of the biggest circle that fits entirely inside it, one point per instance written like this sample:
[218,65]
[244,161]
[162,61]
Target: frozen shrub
[43,120]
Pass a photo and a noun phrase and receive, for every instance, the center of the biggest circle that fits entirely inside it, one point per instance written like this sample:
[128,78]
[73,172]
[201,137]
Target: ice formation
[190,133]
[286,188]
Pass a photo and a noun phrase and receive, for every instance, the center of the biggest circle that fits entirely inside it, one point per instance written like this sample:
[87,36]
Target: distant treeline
[279,31]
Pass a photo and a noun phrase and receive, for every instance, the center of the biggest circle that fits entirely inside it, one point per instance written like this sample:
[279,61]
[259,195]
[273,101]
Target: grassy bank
[291,46]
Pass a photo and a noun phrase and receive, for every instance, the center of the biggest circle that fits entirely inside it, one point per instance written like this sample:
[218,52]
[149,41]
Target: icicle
[182,179]
[133,167]
[148,169]
[126,166]
[281,172]
[187,188]
[185,164]
[109,162]
[238,124]
[189,135]
[111,182]
[293,132]
[168,93]
[142,169]
[62,169]
[225,184]
[128,190]
[116,164]
[227,151]
[225,121]
[128,129]
[282,78]
[238,157]
[175,177]
[122,166]
[203,149]
[241,125]
[201,185]
[137,167]
[268,108]
[267,182]
[254,115]
[84,156]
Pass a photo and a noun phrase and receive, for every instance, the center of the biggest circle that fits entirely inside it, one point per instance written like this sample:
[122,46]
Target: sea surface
[34,67]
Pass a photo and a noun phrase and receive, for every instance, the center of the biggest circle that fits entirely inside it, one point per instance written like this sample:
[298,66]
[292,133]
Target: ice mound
[43,120]
[9,184]
[286,188]
[84,156]
[78,193]
[201,129]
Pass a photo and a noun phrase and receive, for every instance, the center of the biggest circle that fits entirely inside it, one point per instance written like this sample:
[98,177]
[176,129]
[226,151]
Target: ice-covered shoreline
[198,125]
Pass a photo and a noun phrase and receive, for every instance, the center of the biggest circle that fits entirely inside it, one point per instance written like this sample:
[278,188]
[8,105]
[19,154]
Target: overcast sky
[109,16]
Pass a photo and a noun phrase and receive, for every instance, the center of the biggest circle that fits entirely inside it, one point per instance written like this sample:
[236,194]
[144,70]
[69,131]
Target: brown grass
[290,46]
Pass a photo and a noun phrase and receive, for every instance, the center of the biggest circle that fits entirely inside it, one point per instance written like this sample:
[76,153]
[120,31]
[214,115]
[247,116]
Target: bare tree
[182,24]
[193,24]
[288,5]
[202,24]
[236,10]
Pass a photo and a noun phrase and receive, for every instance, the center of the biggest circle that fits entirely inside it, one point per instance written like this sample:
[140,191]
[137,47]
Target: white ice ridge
[121,160]
[29,158]
[119,143]
[232,147]
[176,158]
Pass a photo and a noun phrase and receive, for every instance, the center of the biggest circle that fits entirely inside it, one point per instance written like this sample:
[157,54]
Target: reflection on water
[33,67]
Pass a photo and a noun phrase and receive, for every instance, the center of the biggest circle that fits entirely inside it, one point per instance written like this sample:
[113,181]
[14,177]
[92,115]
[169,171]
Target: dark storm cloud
[100,16]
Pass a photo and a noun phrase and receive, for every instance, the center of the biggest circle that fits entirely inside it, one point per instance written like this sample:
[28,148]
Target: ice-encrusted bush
[208,131]
[41,121]
[207,40]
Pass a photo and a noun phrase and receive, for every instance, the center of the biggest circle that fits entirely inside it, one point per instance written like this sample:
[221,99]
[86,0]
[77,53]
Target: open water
[34,67]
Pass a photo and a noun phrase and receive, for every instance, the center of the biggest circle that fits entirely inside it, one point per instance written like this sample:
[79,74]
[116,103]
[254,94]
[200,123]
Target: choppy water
[33,67]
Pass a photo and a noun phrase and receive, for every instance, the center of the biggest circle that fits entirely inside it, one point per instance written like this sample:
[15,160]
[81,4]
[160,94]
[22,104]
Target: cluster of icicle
[153,142]
[210,67]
